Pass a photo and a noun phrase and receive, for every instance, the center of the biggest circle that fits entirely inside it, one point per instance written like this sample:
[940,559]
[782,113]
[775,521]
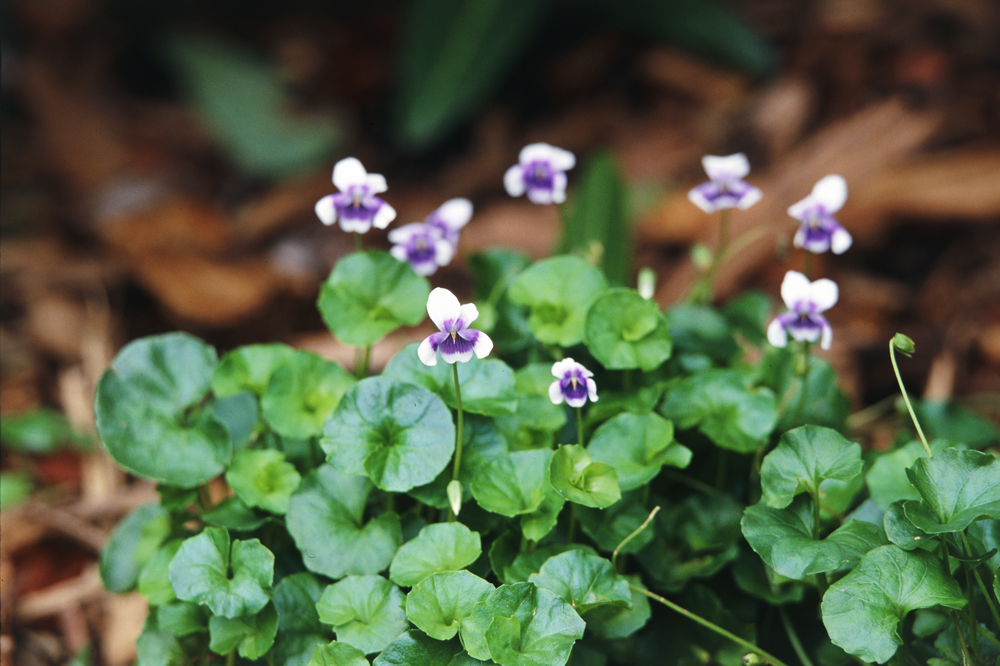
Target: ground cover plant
[561,473]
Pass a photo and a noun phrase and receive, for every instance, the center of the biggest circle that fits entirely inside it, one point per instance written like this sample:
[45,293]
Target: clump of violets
[806,301]
[422,246]
[541,173]
[819,231]
[455,340]
[573,384]
[355,207]
[726,187]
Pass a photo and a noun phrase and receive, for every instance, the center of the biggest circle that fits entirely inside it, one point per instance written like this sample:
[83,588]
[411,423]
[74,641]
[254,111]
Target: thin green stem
[362,360]
[774,661]
[634,534]
[966,657]
[793,637]
[358,244]
[979,582]
[571,530]
[458,436]
[906,398]
[231,657]
[579,426]
[700,486]
[802,368]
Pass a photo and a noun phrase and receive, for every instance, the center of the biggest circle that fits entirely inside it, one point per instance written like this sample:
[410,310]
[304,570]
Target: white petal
[442,306]
[591,389]
[562,160]
[840,241]
[426,353]
[831,191]
[404,233]
[555,393]
[540,195]
[558,187]
[827,336]
[728,167]
[823,294]
[534,151]
[752,196]
[399,252]
[799,209]
[384,216]
[794,288]
[800,236]
[347,172]
[776,334]
[456,213]
[483,345]
[354,226]
[698,199]
[513,181]
[376,183]
[443,252]
[325,210]
[469,313]
[560,368]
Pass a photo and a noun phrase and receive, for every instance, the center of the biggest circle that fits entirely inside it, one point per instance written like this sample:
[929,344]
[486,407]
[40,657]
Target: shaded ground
[124,215]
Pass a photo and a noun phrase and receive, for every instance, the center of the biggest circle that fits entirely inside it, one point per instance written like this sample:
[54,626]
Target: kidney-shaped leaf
[253,635]
[439,603]
[438,547]
[415,648]
[263,478]
[325,518]
[248,369]
[862,611]
[637,446]
[956,488]
[149,415]
[513,484]
[301,393]
[803,459]
[134,542]
[369,294]
[337,654]
[579,479]
[365,611]
[398,434]
[200,572]
[624,331]
[583,580]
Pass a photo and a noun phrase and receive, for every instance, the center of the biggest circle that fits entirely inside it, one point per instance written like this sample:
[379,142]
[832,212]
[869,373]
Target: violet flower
[805,301]
[726,187]
[421,245]
[355,207]
[541,172]
[573,384]
[819,232]
[450,217]
[456,341]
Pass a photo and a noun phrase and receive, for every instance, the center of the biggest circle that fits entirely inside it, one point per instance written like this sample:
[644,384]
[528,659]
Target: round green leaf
[398,434]
[248,369]
[538,523]
[439,603]
[154,581]
[414,648]
[637,446]
[299,628]
[253,635]
[579,479]
[325,518]
[369,294]
[487,385]
[862,611]
[724,408]
[263,478]
[956,488]
[149,414]
[803,459]
[183,618]
[438,547]
[365,611]
[157,646]
[615,621]
[901,531]
[301,393]
[233,514]
[583,580]
[337,654]
[514,484]
[200,572]
[558,291]
[133,543]
[886,478]
[625,331]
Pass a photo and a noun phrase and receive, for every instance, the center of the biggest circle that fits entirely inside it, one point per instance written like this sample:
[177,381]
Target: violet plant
[312,516]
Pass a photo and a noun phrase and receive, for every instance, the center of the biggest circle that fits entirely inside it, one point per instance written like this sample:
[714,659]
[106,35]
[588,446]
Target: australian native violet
[726,187]
[806,301]
[541,172]
[355,206]
[450,218]
[422,245]
[819,231]
[455,340]
[573,384]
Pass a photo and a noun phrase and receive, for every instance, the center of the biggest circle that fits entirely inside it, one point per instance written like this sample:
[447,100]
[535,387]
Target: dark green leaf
[527,563]
[757,579]
[615,621]
[134,542]
[609,527]
[252,635]
[365,611]
[154,582]
[822,404]
[233,514]
[482,444]
[159,647]
[40,431]
[558,291]
[414,648]
[901,531]
[538,523]
[583,580]
[625,331]
[183,618]
[951,421]
[514,484]
[748,313]
[886,478]
[493,271]
[301,393]
[637,446]
[699,332]
[803,459]
[956,488]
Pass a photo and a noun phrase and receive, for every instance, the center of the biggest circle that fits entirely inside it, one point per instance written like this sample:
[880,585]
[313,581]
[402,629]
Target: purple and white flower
[806,301]
[541,172]
[573,384]
[422,246]
[819,232]
[355,206]
[456,341]
[450,217]
[726,187]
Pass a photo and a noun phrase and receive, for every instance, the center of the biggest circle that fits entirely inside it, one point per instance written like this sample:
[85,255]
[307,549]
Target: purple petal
[455,347]
[806,327]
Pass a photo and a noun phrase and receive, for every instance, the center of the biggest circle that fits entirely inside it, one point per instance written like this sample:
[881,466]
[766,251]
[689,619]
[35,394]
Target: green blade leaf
[624,331]
[579,479]
[558,291]
[803,459]
[133,543]
[365,611]
[514,484]
[862,611]
[439,603]
[301,393]
[583,580]
[200,572]
[438,547]
[263,478]
[637,446]
[253,635]
[400,435]
[326,520]
[369,294]
[956,488]
[149,415]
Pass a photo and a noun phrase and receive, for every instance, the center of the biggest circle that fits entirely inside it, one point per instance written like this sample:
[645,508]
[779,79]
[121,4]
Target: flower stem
[793,637]
[634,534]
[771,659]
[458,435]
[979,582]
[358,245]
[807,265]
[579,426]
[906,398]
[363,359]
